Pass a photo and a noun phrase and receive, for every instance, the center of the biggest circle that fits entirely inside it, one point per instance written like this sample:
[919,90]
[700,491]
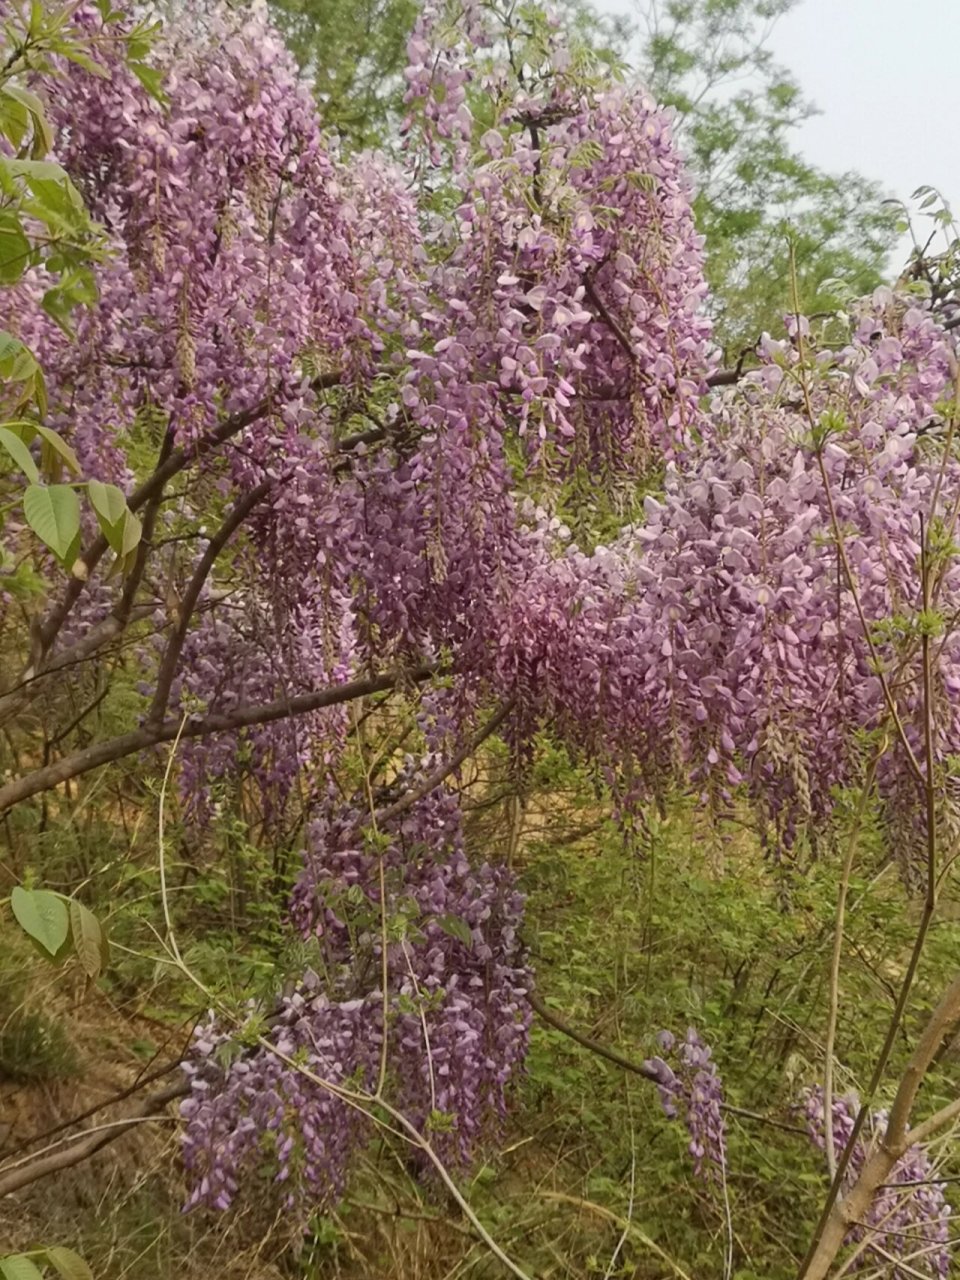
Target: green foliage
[684,921]
[53,513]
[355,55]
[687,923]
[28,1266]
[34,1045]
[933,268]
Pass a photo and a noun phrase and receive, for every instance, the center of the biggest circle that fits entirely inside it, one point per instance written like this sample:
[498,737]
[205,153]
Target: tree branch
[608,318]
[933,1124]
[241,717]
[641,1068]
[98,637]
[594,1046]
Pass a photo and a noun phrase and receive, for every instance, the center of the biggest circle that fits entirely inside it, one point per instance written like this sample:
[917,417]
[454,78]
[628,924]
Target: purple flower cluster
[572,284]
[457,1013]
[909,1218]
[690,1088]
[247,257]
[719,640]
[459,1024]
[251,1109]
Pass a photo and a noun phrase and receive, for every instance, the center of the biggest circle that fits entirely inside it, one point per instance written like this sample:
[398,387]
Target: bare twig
[640,1068]
[443,771]
[834,999]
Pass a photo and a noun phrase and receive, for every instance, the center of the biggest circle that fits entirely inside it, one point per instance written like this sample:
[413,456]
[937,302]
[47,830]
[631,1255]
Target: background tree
[737,115]
[355,55]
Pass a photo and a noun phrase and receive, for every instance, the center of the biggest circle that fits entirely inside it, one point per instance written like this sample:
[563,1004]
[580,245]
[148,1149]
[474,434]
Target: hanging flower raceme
[457,1012]
[571,281]
[691,1089]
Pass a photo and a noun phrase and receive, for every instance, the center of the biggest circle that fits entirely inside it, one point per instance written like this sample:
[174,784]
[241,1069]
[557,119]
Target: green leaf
[68,1264]
[151,78]
[56,201]
[76,287]
[53,513]
[111,507]
[73,54]
[19,1267]
[132,532]
[55,450]
[38,171]
[43,141]
[17,365]
[457,928]
[42,916]
[9,347]
[14,119]
[19,452]
[16,361]
[15,248]
[87,938]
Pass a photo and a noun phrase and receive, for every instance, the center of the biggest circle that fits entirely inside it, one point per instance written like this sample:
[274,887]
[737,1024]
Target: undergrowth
[587,1178]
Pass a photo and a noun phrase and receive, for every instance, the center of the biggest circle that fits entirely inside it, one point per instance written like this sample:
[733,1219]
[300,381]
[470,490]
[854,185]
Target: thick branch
[241,717]
[171,655]
[151,510]
[925,1130]
[855,1205]
[730,377]
[372,435]
[84,1145]
[608,318]
[92,641]
[143,1081]
[943,1022]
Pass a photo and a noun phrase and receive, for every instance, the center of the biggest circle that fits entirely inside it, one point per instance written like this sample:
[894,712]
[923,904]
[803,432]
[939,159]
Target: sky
[884,74]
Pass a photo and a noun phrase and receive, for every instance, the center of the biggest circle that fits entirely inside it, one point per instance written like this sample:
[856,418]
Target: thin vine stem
[834,995]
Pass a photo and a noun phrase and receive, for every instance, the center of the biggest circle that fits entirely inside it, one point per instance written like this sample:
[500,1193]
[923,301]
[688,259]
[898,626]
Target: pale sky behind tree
[884,76]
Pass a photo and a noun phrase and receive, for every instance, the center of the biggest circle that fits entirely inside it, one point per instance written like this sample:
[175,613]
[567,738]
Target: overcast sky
[886,77]
[884,74]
